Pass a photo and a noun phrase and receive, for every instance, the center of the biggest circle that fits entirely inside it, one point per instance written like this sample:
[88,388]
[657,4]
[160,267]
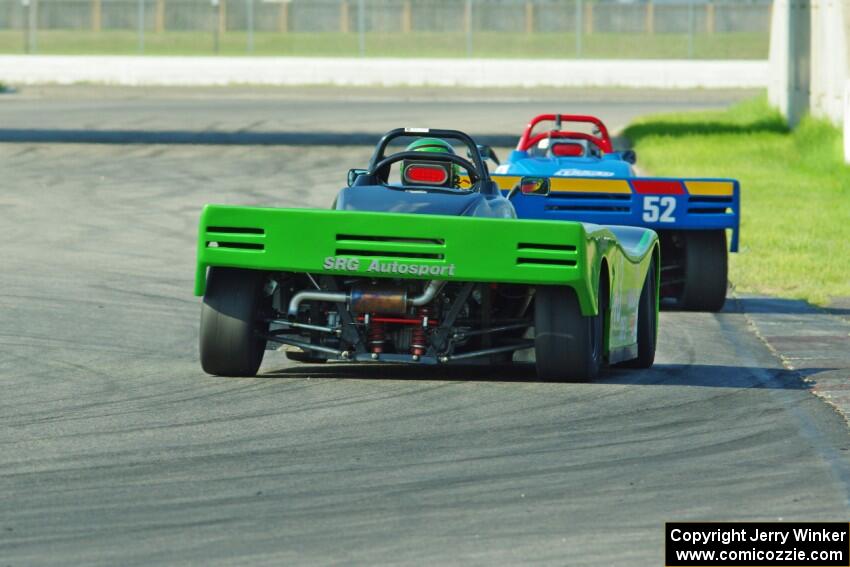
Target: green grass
[795,229]
[417,44]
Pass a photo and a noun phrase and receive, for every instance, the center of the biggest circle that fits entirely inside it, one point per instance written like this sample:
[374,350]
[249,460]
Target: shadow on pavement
[672,129]
[779,305]
[700,375]
[224,138]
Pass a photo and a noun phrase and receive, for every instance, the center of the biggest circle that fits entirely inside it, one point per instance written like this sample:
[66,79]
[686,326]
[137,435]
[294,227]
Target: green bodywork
[435,247]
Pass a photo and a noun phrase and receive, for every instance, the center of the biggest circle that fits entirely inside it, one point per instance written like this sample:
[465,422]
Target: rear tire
[229,341]
[647,325]
[706,270]
[567,345]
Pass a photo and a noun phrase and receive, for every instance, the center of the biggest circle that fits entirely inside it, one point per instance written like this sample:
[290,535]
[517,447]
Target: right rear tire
[647,323]
[706,270]
[230,344]
[567,345]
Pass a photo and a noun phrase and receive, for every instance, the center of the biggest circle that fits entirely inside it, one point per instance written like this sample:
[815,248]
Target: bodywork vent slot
[545,254]
[589,202]
[544,262]
[395,239]
[402,247]
[235,230]
[709,211]
[588,196]
[710,205]
[560,247]
[235,245]
[596,208]
[388,254]
[235,237]
[709,199]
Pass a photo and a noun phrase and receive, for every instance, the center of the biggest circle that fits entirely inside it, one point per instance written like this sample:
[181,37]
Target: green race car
[413,265]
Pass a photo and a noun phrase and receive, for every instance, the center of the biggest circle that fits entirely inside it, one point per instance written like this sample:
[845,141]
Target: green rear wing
[390,245]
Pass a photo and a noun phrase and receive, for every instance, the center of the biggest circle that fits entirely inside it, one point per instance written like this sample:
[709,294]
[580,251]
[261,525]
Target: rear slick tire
[647,324]
[567,345]
[706,270]
[230,344]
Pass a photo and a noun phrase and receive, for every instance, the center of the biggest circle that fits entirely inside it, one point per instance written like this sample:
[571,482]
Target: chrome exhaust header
[370,299]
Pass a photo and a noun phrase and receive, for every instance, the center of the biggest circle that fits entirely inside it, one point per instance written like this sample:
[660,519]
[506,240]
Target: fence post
[529,17]
[25,6]
[249,25]
[406,17]
[361,27]
[467,26]
[691,26]
[709,18]
[26,24]
[32,26]
[650,18]
[222,16]
[283,18]
[216,15]
[141,17]
[95,15]
[343,16]
[588,19]
[159,17]
[579,17]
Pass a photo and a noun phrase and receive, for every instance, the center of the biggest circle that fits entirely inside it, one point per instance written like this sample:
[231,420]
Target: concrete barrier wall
[187,71]
[847,121]
[828,59]
[790,58]
[810,58]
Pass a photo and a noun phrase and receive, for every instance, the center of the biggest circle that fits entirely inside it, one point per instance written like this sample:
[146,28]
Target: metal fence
[405,28]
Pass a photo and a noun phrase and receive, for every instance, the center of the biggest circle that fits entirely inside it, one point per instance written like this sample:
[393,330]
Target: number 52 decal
[659,209]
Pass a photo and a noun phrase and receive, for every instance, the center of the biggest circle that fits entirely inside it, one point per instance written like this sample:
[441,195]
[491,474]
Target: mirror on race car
[630,156]
[486,153]
[534,186]
[353,174]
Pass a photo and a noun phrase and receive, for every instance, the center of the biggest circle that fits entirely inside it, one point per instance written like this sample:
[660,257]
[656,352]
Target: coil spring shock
[377,336]
[418,339]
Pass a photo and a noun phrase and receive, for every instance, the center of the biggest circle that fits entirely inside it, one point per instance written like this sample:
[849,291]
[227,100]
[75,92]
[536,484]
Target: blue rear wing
[649,202]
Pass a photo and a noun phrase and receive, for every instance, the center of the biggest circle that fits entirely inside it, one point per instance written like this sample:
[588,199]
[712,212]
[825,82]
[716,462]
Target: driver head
[428,167]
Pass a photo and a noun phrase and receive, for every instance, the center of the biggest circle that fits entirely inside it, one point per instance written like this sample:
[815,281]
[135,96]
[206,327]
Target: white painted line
[292,71]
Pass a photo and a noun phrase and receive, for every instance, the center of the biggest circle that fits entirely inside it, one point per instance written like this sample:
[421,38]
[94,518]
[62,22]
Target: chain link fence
[397,28]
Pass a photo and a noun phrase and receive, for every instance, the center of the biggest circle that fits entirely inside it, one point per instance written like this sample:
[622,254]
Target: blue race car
[587,181]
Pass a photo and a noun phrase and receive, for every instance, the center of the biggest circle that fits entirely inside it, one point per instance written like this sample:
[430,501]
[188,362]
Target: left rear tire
[230,344]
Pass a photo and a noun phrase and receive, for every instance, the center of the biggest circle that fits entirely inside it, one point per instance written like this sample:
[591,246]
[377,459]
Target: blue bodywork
[521,163]
[622,198]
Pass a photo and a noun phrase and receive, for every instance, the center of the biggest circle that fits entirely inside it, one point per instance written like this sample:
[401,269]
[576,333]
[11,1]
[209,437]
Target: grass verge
[415,44]
[795,221]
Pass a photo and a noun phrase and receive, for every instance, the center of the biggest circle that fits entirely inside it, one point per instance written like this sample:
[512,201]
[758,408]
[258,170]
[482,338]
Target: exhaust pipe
[431,291]
[301,296]
[373,299]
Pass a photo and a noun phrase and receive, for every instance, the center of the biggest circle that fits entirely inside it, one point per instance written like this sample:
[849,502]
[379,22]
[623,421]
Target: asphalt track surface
[115,448]
[311,116]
